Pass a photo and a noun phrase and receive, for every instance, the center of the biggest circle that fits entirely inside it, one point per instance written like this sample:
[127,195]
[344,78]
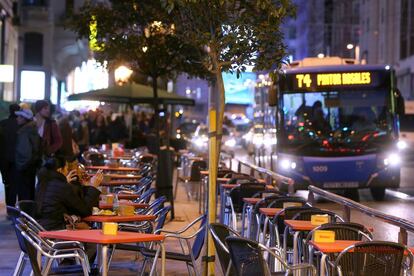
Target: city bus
[338,125]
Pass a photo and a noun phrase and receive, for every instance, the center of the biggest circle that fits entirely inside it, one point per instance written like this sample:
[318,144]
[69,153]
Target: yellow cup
[109,199]
[110,228]
[126,210]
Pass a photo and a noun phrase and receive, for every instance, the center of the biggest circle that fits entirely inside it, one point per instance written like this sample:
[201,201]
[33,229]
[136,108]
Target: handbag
[75,223]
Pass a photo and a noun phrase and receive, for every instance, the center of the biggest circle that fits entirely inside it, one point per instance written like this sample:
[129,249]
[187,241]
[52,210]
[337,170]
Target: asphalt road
[397,202]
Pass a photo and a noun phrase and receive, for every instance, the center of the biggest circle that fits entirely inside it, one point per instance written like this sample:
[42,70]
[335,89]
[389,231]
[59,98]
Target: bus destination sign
[333,80]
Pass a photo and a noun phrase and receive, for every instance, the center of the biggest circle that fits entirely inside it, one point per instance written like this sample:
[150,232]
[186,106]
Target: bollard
[403,236]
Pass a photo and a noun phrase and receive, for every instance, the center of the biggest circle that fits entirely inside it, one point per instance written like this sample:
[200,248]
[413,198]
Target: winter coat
[28,148]
[9,128]
[52,138]
[56,197]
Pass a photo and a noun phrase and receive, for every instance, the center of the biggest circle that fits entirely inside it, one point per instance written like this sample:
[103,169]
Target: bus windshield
[335,122]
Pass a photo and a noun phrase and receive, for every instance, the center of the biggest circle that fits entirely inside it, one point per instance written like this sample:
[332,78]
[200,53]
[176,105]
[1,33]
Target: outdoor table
[270,212]
[125,196]
[133,218]
[119,176]
[96,236]
[106,168]
[248,203]
[297,226]
[112,183]
[104,205]
[330,247]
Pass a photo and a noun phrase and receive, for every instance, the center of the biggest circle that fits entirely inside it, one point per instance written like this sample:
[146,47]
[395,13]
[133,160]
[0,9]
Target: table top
[125,196]
[96,236]
[270,212]
[332,247]
[300,225]
[251,200]
[132,218]
[120,176]
[120,183]
[106,168]
[104,205]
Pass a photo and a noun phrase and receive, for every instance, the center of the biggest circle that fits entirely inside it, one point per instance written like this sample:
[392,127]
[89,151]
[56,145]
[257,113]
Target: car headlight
[401,145]
[269,141]
[286,164]
[230,143]
[200,142]
[392,160]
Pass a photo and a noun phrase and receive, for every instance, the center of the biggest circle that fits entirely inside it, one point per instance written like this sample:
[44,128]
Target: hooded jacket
[28,147]
[56,197]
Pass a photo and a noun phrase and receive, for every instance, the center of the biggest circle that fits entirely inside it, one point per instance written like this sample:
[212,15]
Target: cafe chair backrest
[307,214]
[220,232]
[244,190]
[200,238]
[29,207]
[30,248]
[14,213]
[196,167]
[246,257]
[146,196]
[378,258]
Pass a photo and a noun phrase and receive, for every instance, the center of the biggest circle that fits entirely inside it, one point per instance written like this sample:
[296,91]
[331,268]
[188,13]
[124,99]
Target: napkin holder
[319,219]
[324,236]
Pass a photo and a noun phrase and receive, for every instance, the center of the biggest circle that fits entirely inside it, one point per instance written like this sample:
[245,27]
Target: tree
[235,34]
[140,34]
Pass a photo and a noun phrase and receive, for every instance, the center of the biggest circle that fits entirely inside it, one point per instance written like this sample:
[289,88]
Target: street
[397,202]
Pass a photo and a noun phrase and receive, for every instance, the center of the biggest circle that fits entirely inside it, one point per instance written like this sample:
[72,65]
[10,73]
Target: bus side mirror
[273,95]
[399,103]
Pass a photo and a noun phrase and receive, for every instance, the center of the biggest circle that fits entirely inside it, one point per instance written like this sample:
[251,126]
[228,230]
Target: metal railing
[348,204]
[271,177]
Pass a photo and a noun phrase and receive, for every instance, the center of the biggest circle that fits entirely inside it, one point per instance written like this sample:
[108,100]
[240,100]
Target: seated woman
[57,194]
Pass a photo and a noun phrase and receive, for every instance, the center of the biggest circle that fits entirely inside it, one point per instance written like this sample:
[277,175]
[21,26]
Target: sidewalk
[124,262]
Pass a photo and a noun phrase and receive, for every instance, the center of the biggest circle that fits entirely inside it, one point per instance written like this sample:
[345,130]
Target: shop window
[33,49]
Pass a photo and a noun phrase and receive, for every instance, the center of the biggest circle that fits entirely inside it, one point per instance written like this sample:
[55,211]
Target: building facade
[387,37]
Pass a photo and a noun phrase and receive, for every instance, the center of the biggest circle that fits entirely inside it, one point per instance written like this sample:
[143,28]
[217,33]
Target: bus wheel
[378,193]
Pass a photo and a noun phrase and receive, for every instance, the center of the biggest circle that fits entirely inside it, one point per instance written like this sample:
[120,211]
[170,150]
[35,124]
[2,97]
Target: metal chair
[220,232]
[248,259]
[195,177]
[193,252]
[34,245]
[146,196]
[377,258]
[343,231]
[29,207]
[235,200]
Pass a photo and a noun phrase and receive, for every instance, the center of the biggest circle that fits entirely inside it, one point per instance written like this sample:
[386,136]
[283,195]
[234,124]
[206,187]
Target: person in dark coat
[8,128]
[56,195]
[28,154]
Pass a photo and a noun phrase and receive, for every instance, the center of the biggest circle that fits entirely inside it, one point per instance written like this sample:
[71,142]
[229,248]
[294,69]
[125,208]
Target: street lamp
[350,46]
[122,74]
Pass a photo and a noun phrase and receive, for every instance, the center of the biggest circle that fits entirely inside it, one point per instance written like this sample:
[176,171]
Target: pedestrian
[67,148]
[8,128]
[47,128]
[28,154]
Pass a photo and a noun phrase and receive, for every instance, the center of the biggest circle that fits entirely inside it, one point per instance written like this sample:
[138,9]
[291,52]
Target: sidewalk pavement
[124,262]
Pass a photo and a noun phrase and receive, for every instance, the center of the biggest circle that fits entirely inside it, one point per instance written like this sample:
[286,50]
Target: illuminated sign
[334,80]
[6,73]
[32,85]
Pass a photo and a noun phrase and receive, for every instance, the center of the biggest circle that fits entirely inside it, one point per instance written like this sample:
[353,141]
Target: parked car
[199,141]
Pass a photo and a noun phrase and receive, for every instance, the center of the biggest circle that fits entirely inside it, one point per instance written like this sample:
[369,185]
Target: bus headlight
[286,164]
[401,145]
[392,160]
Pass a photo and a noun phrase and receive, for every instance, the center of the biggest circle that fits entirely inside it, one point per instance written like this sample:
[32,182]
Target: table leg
[295,248]
[264,232]
[243,219]
[323,264]
[154,264]
[162,258]
[104,260]
[221,205]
